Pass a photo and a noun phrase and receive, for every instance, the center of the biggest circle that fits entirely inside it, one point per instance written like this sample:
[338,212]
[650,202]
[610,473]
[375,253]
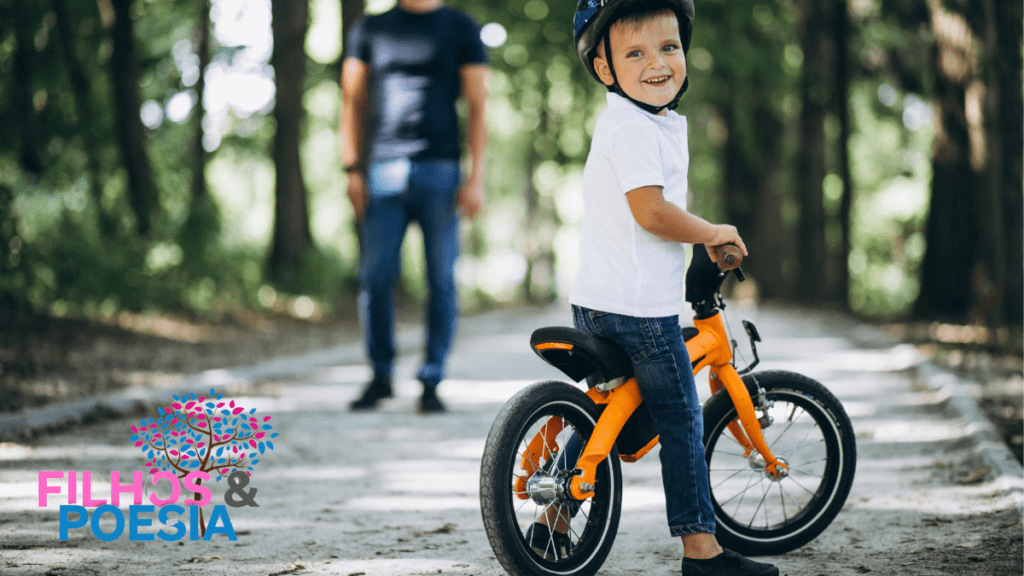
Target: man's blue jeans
[663,371]
[425,192]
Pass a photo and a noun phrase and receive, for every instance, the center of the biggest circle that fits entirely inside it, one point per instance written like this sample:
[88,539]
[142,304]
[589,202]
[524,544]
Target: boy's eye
[633,54]
[670,48]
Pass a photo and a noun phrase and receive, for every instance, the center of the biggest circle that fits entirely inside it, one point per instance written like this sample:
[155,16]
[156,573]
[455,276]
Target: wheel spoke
[740,495]
[526,456]
[758,509]
[783,433]
[568,523]
[544,438]
[738,472]
[796,504]
[793,467]
[800,485]
[801,443]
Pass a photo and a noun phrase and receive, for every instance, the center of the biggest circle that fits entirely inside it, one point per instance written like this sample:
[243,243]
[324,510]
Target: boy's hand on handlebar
[724,235]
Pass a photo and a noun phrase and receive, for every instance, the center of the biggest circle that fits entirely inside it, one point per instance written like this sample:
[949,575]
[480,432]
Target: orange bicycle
[779,446]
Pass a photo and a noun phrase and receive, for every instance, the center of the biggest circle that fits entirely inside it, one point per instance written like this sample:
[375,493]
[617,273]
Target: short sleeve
[636,157]
[357,45]
[471,49]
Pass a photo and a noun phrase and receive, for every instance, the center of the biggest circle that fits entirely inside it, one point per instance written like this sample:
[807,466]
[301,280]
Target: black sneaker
[379,387]
[728,563]
[429,402]
[551,546]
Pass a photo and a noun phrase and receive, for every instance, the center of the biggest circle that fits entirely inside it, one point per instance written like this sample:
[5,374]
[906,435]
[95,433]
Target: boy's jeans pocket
[389,177]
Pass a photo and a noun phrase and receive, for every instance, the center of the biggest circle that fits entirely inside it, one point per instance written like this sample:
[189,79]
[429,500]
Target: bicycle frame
[711,349]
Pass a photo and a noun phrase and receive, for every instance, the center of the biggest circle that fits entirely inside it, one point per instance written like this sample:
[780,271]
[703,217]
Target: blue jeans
[663,371]
[425,192]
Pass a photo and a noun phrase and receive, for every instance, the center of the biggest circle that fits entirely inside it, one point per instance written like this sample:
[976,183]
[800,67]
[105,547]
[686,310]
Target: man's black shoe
[429,402]
[379,387]
[728,563]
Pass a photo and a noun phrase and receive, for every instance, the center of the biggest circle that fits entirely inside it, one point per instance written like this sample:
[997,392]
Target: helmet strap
[616,88]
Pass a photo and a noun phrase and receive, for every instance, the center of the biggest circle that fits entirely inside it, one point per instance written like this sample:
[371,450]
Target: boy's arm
[670,222]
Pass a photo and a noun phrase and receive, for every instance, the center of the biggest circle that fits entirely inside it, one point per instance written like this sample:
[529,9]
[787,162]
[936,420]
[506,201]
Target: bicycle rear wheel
[531,451]
[757,513]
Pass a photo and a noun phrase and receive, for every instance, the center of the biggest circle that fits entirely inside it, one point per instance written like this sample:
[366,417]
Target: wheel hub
[544,488]
[756,462]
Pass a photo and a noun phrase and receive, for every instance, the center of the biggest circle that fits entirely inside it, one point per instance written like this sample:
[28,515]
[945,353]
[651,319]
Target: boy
[629,288]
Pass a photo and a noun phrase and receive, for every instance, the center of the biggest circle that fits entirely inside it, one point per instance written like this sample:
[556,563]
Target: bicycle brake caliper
[763,404]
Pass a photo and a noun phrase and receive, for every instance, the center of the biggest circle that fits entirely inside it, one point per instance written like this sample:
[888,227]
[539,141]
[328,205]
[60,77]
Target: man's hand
[357,193]
[471,199]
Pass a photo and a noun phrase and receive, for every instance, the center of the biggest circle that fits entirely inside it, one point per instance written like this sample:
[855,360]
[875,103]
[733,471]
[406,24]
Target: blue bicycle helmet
[594,18]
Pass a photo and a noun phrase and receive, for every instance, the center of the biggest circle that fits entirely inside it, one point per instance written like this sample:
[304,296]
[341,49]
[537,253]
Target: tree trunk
[1010,30]
[751,200]
[203,221]
[994,124]
[949,261]
[82,90]
[291,237]
[812,264]
[142,191]
[538,282]
[203,52]
[841,37]
[24,61]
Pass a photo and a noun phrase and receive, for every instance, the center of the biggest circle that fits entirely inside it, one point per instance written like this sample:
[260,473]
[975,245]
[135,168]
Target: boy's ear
[604,72]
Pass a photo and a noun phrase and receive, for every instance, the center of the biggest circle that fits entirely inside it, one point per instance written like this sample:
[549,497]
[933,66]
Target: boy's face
[648,59]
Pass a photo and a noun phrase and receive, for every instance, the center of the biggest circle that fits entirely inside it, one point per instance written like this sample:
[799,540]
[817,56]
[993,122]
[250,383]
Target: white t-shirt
[625,269]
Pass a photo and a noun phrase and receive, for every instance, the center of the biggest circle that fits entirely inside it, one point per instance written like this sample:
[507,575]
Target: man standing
[403,73]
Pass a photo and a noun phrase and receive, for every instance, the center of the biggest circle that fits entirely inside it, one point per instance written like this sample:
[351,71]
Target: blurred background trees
[183,155]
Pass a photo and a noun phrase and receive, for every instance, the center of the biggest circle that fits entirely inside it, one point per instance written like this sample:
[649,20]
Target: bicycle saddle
[579,354]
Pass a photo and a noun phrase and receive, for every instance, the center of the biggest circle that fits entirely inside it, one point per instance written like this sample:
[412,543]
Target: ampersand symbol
[238,480]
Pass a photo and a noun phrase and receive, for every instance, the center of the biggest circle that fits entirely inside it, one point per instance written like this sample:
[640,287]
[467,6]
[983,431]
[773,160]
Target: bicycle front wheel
[757,513]
[532,522]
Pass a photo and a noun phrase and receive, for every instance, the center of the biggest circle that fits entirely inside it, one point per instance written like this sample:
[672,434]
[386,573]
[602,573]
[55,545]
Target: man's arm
[354,77]
[670,222]
[474,88]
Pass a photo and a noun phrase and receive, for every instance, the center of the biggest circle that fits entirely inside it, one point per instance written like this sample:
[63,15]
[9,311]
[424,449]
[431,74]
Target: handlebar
[729,257]
[704,277]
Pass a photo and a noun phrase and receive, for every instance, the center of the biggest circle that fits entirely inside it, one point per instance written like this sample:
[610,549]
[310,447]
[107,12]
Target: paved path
[392,492]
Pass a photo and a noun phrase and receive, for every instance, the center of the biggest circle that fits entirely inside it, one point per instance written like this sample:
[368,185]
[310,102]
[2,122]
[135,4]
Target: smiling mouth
[657,80]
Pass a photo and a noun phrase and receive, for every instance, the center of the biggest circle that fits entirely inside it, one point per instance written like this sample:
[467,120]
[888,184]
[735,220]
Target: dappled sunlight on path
[392,492]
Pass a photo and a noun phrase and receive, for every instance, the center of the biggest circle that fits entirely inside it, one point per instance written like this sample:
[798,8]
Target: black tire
[507,516]
[756,514]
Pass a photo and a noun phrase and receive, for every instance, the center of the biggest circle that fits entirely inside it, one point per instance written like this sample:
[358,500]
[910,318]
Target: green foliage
[66,244]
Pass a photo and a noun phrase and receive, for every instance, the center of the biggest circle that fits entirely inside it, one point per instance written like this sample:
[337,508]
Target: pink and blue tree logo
[204,434]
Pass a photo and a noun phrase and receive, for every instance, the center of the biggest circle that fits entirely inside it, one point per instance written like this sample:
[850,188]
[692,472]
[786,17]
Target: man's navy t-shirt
[414,80]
